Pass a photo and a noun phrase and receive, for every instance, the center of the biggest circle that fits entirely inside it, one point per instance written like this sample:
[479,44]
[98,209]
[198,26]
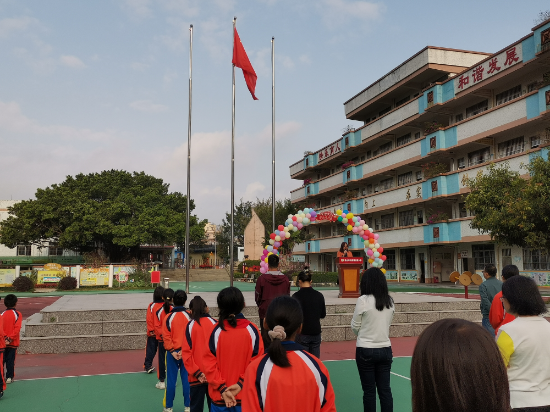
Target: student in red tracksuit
[194,349]
[160,315]
[152,342]
[12,320]
[497,314]
[173,335]
[2,348]
[287,378]
[233,344]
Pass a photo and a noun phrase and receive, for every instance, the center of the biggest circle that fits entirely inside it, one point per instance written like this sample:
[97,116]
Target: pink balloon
[312,219]
[361,222]
[376,235]
[300,226]
[370,252]
[362,232]
[263,270]
[365,237]
[308,215]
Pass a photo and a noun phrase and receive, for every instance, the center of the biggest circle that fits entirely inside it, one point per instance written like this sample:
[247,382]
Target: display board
[94,276]
[7,276]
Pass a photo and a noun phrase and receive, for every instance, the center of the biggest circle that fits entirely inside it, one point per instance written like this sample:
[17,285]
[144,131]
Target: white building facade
[430,124]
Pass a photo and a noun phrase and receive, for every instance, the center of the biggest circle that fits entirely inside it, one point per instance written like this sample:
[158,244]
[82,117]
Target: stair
[59,330]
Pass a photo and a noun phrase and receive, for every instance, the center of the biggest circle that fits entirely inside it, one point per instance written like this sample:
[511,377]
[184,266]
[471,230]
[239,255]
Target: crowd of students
[10,327]
[456,365]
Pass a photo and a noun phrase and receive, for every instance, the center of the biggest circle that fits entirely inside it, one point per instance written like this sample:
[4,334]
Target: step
[35,328]
[83,343]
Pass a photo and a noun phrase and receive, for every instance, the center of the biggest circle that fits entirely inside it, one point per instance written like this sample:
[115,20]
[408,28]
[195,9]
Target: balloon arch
[305,217]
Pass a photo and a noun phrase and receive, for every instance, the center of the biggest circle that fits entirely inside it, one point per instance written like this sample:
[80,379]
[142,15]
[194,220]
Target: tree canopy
[512,209]
[115,211]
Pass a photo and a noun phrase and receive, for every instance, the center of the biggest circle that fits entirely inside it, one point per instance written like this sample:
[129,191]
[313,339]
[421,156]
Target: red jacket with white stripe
[158,321]
[12,320]
[304,386]
[231,351]
[151,314]
[2,340]
[195,346]
[173,329]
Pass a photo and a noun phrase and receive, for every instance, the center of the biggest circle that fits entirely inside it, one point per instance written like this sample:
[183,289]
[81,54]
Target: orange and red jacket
[173,328]
[151,314]
[158,320]
[497,315]
[2,342]
[269,388]
[230,352]
[195,346]
[12,320]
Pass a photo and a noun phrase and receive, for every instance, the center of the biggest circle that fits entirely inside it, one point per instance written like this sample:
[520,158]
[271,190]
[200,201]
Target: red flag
[240,59]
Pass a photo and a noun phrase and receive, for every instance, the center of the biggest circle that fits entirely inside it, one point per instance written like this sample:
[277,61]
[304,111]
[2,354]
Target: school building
[429,125]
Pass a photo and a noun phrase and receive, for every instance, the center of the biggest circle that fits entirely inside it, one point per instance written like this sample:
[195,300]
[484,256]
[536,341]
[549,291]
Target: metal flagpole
[188,216]
[273,131]
[231,262]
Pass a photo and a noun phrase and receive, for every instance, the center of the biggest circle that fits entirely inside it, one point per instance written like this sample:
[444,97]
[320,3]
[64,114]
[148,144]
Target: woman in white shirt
[524,345]
[371,323]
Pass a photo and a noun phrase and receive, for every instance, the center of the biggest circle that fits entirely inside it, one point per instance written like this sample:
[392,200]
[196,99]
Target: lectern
[349,274]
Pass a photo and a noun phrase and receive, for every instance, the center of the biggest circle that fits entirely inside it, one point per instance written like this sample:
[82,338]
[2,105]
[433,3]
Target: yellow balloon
[265,260]
[349,216]
[383,271]
[370,260]
[338,212]
[350,227]
[270,253]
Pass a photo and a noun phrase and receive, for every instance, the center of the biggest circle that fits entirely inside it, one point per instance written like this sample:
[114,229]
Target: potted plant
[430,127]
[433,169]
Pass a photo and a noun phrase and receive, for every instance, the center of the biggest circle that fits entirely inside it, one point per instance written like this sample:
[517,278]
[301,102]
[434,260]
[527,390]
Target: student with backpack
[194,349]
[173,335]
[160,315]
[287,378]
[233,344]
[152,342]
[12,320]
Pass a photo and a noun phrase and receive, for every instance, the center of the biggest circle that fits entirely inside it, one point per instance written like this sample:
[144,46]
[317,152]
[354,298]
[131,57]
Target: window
[387,221]
[417,135]
[402,101]
[418,176]
[368,222]
[404,139]
[377,224]
[363,191]
[479,156]
[363,158]
[384,148]
[532,86]
[506,257]
[462,211]
[459,117]
[338,230]
[419,217]
[511,147]
[477,108]
[23,250]
[535,259]
[535,141]
[461,163]
[369,154]
[483,255]
[406,218]
[408,260]
[508,95]
[383,112]
[405,179]
[376,188]
[55,250]
[390,259]
[386,184]
[369,189]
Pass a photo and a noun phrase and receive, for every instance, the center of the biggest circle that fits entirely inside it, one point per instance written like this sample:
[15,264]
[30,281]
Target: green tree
[113,211]
[242,215]
[513,210]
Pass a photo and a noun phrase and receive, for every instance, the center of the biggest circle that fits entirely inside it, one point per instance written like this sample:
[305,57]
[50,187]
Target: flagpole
[273,132]
[188,215]
[231,262]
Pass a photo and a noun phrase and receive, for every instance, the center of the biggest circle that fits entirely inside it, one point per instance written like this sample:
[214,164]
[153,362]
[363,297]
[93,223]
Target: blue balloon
[345,212]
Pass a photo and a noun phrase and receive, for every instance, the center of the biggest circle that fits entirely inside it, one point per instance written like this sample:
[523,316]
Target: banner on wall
[540,278]
[7,276]
[122,273]
[409,275]
[94,277]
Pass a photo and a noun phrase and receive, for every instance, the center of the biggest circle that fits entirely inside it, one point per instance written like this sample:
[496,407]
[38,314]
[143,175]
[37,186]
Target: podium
[349,275]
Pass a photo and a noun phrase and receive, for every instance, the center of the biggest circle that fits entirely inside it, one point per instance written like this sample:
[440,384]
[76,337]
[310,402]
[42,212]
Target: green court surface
[131,392]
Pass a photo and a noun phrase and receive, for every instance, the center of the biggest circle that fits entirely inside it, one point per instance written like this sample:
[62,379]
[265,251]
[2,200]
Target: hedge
[249,263]
[324,277]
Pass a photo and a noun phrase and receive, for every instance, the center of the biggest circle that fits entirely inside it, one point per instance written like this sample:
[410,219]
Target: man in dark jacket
[487,292]
[268,286]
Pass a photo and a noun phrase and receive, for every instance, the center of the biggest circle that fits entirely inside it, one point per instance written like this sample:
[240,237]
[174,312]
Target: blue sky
[93,85]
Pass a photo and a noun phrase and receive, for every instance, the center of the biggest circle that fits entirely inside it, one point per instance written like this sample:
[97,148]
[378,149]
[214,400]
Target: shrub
[67,283]
[23,284]
[324,277]
[249,263]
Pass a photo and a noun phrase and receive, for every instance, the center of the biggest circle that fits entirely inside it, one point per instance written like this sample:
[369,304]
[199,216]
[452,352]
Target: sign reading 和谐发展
[329,151]
[489,68]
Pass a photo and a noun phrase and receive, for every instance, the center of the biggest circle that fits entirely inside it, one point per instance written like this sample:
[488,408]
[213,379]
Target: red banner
[351,261]
[326,216]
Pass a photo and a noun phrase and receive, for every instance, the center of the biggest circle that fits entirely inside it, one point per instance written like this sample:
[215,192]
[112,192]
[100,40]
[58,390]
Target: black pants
[9,361]
[312,343]
[150,351]
[198,392]
[533,409]
[2,380]
[374,366]
[265,336]
[161,372]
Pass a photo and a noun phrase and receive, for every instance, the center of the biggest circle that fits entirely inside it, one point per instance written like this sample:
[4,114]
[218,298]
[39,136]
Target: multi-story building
[430,124]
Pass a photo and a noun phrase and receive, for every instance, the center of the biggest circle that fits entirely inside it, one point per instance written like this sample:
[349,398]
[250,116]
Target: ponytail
[304,275]
[198,308]
[284,317]
[168,296]
[230,304]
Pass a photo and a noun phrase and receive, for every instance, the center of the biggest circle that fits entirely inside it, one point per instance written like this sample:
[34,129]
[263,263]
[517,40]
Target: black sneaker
[1,394]
[151,369]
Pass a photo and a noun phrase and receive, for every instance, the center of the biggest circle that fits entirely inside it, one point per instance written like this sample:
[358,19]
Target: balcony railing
[390,119]
[296,167]
[297,194]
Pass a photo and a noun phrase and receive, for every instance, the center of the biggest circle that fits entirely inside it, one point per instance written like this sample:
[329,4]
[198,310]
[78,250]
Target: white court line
[79,376]
[401,376]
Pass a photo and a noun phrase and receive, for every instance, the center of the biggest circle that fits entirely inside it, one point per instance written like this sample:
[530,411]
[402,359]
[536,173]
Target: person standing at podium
[371,324]
[344,252]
